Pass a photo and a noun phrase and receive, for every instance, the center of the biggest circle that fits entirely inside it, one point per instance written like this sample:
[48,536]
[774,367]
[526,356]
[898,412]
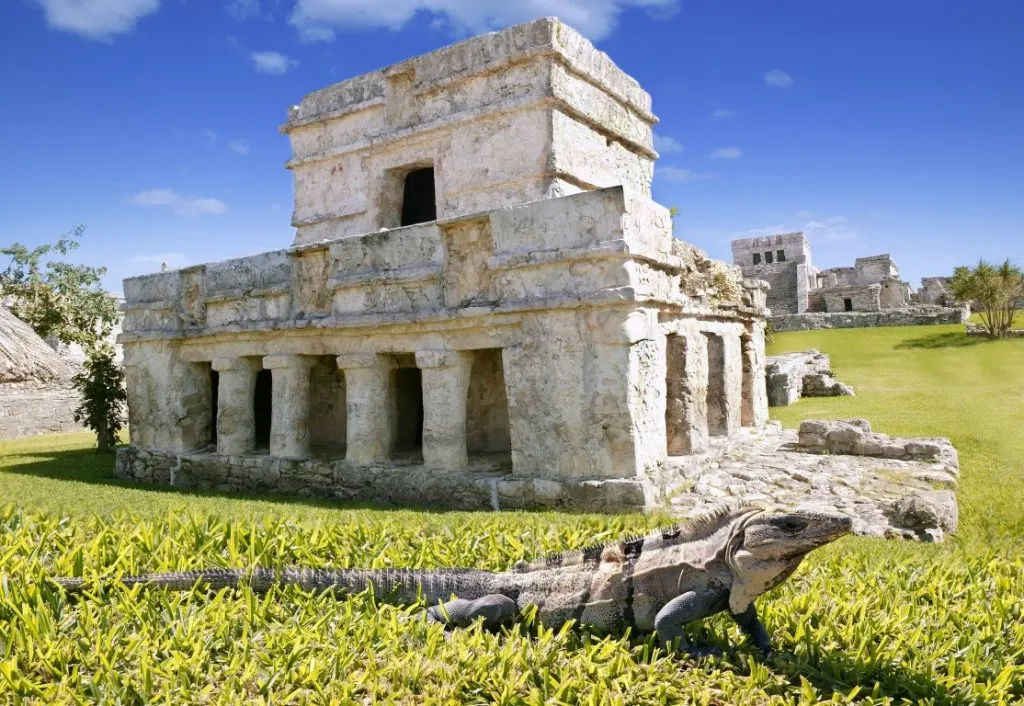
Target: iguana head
[784,534]
[767,546]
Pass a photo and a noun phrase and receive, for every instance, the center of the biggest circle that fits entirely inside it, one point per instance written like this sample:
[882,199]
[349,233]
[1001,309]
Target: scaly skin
[657,582]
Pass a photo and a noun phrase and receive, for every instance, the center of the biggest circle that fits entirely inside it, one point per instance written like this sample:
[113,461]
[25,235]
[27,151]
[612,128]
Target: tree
[57,299]
[994,289]
[100,383]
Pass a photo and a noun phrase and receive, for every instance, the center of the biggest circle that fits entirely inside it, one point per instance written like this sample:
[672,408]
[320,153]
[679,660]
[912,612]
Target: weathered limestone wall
[893,293]
[31,409]
[863,298]
[576,120]
[874,269]
[909,316]
[170,401]
[934,290]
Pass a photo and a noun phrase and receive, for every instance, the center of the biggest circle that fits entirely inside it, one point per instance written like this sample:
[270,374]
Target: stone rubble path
[886,497]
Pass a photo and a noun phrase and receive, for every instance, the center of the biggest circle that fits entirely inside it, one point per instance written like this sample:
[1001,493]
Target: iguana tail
[400,585]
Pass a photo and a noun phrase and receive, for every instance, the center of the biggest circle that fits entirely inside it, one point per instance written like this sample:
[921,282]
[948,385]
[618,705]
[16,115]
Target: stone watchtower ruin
[482,306]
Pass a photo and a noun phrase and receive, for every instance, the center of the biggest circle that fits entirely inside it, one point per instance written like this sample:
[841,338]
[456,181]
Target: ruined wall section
[577,123]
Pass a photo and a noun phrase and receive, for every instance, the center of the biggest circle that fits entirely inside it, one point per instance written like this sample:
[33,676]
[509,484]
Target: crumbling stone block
[806,374]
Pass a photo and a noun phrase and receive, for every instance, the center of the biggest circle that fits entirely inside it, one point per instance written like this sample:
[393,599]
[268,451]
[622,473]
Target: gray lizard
[656,582]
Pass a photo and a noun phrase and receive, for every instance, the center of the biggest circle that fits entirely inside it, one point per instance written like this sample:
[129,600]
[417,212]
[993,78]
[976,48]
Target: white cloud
[180,205]
[678,174]
[210,135]
[664,144]
[724,113]
[243,10]
[316,20]
[173,260]
[833,228]
[726,153]
[779,79]
[272,62]
[239,147]
[101,20]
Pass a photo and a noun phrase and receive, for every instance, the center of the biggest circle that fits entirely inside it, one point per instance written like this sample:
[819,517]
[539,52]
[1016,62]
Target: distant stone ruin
[806,374]
[870,293]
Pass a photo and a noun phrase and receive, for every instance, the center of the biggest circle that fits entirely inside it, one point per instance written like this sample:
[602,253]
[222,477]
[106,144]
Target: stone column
[289,422]
[445,386]
[369,407]
[725,383]
[686,414]
[236,426]
[755,392]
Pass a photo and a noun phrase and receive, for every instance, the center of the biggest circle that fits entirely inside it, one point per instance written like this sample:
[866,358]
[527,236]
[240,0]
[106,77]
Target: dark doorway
[848,305]
[262,407]
[214,388]
[408,409]
[487,427]
[418,204]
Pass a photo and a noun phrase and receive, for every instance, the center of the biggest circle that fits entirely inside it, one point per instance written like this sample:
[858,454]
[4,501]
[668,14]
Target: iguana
[656,582]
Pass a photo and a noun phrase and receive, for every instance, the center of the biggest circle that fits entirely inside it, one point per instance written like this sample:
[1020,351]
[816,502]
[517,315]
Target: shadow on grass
[88,466]
[951,339]
[832,674]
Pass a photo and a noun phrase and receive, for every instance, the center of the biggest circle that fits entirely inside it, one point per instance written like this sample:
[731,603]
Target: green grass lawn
[865,621]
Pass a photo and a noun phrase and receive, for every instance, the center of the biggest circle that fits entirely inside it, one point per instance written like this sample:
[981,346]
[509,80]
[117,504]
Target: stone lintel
[355,361]
[442,359]
[235,363]
[285,361]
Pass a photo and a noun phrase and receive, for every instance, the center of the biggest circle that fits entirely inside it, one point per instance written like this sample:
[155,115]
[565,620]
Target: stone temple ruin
[872,286]
[482,305]
[482,308]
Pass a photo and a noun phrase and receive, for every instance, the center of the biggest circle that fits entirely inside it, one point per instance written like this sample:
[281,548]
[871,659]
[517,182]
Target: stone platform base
[486,485]
[892,487]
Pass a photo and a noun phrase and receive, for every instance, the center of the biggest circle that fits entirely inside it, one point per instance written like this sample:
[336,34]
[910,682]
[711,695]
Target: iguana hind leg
[753,628]
[495,609]
[683,609]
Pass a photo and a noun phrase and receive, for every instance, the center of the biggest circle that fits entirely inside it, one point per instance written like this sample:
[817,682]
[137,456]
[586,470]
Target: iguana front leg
[753,628]
[683,609]
[495,609]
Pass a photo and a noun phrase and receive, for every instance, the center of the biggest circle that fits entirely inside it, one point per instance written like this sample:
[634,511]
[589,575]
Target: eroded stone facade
[481,300]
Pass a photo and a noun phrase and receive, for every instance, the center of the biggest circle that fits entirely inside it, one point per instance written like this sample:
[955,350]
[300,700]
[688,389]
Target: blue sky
[874,126]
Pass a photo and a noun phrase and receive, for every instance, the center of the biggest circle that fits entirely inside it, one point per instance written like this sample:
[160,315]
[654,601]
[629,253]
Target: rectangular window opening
[262,399]
[757,258]
[769,257]
[418,197]
[848,305]
[487,426]
[214,388]
[781,255]
[408,387]
[328,411]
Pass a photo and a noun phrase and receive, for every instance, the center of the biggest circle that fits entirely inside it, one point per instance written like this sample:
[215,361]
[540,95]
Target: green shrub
[100,383]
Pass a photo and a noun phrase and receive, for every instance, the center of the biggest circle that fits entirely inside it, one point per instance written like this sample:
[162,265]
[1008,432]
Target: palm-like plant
[994,289]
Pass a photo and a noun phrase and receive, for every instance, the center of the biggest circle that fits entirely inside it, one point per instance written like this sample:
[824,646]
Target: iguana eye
[791,524]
